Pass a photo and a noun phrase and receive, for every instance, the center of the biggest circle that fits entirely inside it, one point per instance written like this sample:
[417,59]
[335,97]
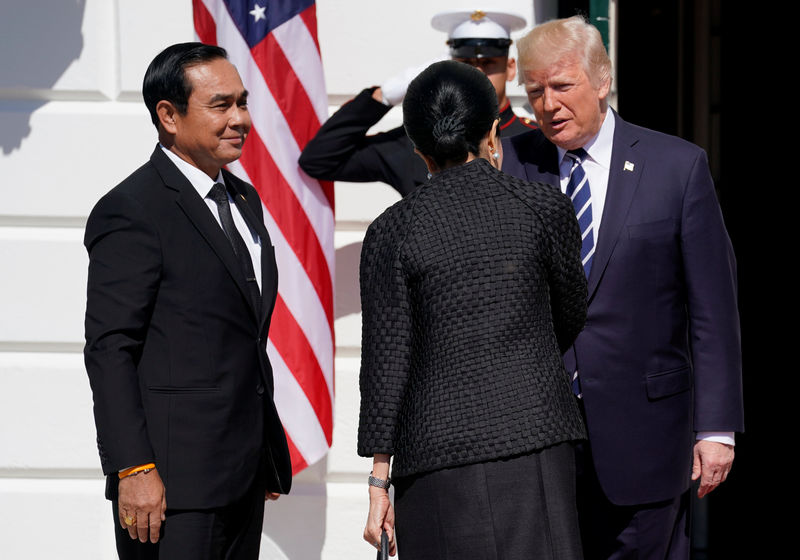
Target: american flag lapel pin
[628,166]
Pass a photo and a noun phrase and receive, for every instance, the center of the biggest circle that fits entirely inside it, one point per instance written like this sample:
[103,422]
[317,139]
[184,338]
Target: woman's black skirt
[517,508]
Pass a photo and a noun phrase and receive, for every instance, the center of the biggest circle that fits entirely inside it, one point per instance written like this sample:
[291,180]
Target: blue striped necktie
[578,191]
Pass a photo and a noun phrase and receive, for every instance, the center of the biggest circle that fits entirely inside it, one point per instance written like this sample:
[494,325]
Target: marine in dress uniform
[342,150]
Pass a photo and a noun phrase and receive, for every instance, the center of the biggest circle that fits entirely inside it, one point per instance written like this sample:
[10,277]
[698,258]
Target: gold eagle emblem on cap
[477,15]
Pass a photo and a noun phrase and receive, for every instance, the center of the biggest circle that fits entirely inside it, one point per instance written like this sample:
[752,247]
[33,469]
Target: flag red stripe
[295,206]
[292,91]
[204,24]
[302,121]
[327,189]
[286,89]
[298,461]
[291,343]
[309,16]
[288,213]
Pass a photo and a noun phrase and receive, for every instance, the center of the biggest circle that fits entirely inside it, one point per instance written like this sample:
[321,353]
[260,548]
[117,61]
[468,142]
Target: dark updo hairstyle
[447,111]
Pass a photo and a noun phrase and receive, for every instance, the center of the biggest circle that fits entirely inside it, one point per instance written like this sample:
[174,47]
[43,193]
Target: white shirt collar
[201,182]
[598,148]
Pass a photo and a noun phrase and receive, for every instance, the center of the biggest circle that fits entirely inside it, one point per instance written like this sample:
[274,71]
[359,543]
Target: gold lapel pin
[628,166]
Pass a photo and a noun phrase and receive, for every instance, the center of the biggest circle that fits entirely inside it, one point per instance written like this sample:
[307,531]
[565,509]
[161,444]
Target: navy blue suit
[659,357]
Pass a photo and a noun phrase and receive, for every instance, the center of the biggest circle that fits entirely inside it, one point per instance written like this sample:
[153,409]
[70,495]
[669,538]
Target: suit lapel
[198,213]
[623,180]
[545,170]
[539,158]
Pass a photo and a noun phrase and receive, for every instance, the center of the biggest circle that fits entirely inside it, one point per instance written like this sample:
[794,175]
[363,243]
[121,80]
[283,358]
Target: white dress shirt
[596,167]
[202,184]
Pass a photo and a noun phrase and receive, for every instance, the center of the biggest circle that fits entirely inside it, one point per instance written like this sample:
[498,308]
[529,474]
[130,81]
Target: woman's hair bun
[447,111]
[448,125]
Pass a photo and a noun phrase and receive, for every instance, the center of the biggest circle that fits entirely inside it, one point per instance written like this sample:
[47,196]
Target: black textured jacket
[471,287]
[342,151]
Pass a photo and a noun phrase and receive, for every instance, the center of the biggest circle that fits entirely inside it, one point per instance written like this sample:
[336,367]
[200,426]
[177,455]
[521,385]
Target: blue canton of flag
[256,20]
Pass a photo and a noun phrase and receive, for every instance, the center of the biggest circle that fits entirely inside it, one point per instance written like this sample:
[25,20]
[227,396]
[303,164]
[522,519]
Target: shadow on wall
[39,40]
[294,525]
[348,299]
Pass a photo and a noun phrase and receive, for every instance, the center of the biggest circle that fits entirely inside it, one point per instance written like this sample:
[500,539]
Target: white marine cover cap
[477,24]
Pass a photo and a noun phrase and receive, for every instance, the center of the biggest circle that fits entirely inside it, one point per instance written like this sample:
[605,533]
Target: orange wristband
[134,470]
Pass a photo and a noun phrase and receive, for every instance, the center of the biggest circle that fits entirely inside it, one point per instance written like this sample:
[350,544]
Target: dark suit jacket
[660,355]
[471,287]
[175,350]
[341,150]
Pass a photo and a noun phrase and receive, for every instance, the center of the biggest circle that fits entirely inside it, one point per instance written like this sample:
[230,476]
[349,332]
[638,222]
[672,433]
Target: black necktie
[219,195]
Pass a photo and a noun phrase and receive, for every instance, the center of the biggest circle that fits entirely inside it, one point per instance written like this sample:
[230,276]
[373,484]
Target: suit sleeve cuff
[719,437]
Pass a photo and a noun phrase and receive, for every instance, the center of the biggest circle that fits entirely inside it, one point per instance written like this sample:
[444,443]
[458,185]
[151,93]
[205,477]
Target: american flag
[274,45]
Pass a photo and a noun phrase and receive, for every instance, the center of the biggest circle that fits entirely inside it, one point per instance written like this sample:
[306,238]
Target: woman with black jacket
[471,287]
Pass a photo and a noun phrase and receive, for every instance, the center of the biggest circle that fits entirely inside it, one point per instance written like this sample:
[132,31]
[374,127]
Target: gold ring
[129,520]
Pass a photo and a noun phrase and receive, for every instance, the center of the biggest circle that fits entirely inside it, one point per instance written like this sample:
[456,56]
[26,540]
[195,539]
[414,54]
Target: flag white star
[258,13]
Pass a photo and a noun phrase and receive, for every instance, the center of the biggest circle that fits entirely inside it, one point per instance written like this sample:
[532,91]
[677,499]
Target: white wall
[72,125]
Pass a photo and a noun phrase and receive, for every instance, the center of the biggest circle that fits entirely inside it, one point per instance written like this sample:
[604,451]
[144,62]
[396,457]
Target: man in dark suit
[182,283]
[658,364]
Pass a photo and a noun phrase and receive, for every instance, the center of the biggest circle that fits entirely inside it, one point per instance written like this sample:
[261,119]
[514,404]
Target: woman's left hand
[380,518]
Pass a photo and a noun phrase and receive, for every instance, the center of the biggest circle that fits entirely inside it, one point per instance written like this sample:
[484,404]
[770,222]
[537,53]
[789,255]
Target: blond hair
[557,39]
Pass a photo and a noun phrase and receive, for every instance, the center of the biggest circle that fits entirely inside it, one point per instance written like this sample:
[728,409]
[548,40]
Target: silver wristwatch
[379,482]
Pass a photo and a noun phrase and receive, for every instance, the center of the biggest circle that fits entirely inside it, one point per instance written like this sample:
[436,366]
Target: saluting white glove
[394,88]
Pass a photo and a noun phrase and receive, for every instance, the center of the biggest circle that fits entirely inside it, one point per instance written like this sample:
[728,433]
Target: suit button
[260,389]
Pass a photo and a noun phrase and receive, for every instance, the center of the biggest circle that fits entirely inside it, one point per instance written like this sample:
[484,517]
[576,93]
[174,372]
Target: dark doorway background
[693,68]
